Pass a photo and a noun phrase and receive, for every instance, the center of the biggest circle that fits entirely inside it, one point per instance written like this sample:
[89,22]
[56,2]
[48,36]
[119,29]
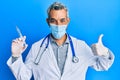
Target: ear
[68,19]
[47,20]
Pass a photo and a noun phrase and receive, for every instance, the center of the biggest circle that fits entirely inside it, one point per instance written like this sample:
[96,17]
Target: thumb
[25,47]
[23,38]
[100,39]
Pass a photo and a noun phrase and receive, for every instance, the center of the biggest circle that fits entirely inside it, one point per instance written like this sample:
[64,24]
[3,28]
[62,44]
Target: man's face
[58,17]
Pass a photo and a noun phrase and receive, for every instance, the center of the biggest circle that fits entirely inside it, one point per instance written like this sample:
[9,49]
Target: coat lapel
[53,59]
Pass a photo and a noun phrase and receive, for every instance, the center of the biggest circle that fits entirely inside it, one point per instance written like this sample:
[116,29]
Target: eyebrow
[55,19]
[62,19]
[52,18]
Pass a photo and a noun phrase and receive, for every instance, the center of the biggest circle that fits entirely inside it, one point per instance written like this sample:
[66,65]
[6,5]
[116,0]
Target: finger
[23,38]
[100,39]
[20,39]
[15,40]
[25,46]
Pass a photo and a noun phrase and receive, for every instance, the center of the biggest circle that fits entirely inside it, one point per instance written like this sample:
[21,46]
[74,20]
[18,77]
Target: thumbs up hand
[99,48]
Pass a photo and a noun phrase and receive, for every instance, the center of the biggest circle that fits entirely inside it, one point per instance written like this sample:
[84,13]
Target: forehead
[58,14]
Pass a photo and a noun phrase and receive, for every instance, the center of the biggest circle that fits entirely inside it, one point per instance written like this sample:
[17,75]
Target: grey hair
[57,6]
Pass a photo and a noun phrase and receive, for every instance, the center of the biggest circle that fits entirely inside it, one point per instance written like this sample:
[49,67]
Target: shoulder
[78,43]
[35,48]
[82,48]
[76,40]
[37,43]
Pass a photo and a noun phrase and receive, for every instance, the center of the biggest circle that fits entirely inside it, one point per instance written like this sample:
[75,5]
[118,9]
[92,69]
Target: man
[58,56]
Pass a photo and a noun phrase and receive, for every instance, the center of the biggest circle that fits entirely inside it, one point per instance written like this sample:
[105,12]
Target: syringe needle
[19,32]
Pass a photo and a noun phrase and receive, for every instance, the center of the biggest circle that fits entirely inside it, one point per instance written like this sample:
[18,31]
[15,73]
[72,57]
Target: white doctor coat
[47,69]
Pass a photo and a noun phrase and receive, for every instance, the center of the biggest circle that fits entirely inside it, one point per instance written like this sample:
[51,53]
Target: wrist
[15,56]
[14,59]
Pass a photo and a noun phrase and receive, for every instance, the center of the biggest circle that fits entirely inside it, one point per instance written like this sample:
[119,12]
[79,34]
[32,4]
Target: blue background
[89,18]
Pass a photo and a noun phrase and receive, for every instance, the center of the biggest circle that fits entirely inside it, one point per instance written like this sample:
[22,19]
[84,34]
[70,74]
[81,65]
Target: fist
[18,46]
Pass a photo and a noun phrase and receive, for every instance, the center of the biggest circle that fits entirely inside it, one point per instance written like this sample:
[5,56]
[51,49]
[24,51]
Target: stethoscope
[40,53]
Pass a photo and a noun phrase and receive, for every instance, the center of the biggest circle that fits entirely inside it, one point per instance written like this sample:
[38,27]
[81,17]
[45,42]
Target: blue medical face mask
[58,31]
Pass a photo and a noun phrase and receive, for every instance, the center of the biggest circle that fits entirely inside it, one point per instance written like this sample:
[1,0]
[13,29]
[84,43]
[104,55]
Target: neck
[61,40]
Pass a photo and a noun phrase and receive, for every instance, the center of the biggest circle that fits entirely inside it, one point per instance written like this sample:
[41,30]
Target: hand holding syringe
[18,45]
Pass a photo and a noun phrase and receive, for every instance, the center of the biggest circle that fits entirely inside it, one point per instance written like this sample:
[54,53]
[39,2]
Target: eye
[52,20]
[63,20]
